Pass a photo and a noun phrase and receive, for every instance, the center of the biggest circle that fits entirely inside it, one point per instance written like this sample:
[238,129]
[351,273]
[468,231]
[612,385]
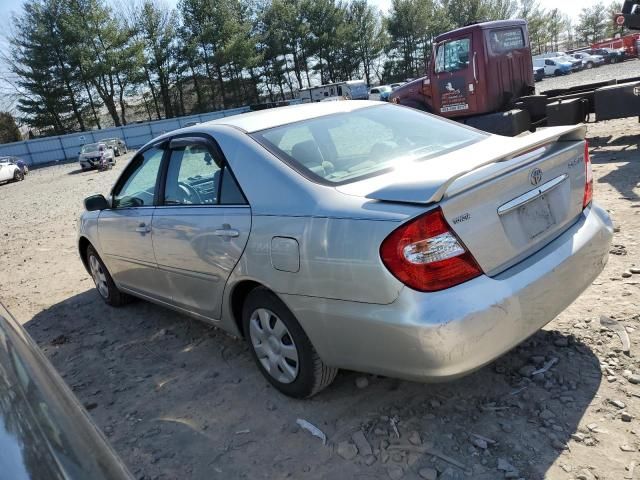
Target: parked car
[552,66]
[9,171]
[93,155]
[376,92]
[17,161]
[118,145]
[576,65]
[359,235]
[538,74]
[589,61]
[609,54]
[45,433]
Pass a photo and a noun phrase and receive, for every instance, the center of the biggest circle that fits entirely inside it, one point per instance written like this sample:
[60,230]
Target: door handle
[226,232]
[142,228]
[475,73]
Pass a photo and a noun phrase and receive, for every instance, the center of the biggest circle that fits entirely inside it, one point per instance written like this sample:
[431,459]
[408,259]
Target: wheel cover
[99,278]
[273,345]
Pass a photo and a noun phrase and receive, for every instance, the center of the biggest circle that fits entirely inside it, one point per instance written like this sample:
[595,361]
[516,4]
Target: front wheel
[281,349]
[613,60]
[557,73]
[18,176]
[104,283]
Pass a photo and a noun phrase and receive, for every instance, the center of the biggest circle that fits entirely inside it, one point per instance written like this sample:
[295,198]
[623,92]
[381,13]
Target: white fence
[66,147]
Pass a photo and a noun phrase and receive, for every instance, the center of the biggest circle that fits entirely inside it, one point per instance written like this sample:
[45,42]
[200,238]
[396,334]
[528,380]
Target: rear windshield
[345,147]
[505,40]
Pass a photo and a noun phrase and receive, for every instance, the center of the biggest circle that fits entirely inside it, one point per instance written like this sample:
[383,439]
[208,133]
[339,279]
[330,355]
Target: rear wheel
[589,65]
[283,352]
[614,59]
[103,281]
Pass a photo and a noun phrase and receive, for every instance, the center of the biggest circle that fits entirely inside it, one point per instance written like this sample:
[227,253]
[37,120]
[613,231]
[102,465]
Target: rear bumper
[443,335]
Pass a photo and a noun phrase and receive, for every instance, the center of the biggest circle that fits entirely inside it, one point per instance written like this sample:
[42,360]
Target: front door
[453,88]
[125,229]
[200,227]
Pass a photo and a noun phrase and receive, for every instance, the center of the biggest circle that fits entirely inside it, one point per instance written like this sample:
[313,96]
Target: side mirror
[95,203]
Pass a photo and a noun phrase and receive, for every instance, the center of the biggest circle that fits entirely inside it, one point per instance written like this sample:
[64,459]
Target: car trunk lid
[505,198]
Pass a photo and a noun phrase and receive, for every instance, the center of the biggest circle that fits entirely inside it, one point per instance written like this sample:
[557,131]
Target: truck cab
[478,69]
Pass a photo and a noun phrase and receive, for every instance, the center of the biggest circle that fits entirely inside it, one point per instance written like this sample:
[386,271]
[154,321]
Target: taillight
[426,255]
[588,177]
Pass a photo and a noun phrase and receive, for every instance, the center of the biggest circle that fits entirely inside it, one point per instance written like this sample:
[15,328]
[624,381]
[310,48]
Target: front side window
[138,187]
[345,147]
[453,55]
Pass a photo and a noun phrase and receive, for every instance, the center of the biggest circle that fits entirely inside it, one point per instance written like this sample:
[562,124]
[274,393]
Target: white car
[588,60]
[92,154]
[376,93]
[10,172]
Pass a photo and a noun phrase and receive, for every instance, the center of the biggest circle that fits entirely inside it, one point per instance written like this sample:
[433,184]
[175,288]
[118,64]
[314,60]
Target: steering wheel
[190,194]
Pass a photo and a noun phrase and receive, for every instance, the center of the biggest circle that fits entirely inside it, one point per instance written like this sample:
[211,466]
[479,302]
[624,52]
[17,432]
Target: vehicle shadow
[625,177]
[180,399]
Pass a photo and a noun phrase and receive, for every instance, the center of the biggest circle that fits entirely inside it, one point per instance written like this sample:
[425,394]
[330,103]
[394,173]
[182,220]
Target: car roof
[274,117]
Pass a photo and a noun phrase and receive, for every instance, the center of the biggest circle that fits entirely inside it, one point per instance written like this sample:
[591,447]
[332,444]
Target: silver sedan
[354,235]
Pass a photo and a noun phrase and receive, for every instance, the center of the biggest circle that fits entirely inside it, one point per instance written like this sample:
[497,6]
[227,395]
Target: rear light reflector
[426,255]
[588,177]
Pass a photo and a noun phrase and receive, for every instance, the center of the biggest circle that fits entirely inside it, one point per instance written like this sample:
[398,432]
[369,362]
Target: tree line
[83,64]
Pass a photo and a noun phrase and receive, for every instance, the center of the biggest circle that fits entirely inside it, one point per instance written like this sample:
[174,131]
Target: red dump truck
[482,75]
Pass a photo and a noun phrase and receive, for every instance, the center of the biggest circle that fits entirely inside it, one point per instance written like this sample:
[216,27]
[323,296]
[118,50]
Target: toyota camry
[354,235]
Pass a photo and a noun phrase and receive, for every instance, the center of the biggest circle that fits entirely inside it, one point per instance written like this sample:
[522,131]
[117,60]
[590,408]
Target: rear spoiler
[427,182]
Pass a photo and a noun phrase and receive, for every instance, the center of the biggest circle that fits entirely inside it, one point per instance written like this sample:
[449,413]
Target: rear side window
[344,147]
[505,40]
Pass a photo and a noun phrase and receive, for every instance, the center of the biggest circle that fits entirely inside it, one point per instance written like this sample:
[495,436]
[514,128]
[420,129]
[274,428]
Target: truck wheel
[557,73]
[281,349]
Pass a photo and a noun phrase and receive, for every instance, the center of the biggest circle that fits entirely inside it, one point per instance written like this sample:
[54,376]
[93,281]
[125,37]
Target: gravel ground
[181,400]
[620,71]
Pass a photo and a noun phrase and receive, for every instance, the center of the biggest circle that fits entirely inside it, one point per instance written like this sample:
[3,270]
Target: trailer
[482,75]
[351,89]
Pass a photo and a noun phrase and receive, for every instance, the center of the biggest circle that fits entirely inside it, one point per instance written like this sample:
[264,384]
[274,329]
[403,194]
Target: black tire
[557,73]
[312,374]
[589,65]
[614,59]
[18,176]
[116,152]
[113,296]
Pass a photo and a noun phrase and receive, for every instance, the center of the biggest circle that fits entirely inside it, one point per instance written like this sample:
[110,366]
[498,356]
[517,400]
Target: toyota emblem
[535,177]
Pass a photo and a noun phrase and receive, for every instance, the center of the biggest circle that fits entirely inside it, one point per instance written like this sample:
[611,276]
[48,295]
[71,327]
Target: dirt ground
[181,400]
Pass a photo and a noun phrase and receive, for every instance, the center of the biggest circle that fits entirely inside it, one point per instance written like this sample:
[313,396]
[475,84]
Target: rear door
[125,229]
[201,226]
[454,78]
